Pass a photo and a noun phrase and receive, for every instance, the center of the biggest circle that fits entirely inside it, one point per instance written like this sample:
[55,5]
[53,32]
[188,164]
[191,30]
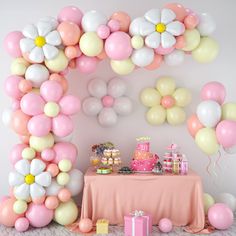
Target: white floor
[56,230]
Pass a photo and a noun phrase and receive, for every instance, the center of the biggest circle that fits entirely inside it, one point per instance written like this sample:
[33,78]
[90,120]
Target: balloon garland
[45,179]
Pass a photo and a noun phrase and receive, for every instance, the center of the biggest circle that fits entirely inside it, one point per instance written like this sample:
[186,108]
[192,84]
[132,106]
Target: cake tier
[142,155]
[143,165]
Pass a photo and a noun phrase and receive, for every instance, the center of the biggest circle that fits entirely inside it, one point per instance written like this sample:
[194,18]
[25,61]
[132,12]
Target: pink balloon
[178,9]
[51,91]
[118,46]
[32,104]
[194,125]
[213,91]
[53,169]
[12,86]
[15,104]
[85,225]
[226,133]
[108,101]
[64,195]
[51,202]
[7,216]
[114,25]
[39,215]
[165,225]
[62,125]
[167,101]
[164,51]
[70,13]
[65,150]
[180,42]
[48,154]
[4,198]
[220,216]
[103,31]
[69,105]
[86,64]
[16,152]
[22,224]
[40,125]
[191,21]
[12,43]
[156,63]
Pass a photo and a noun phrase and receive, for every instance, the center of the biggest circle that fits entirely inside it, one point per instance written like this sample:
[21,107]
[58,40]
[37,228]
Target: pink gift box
[138,225]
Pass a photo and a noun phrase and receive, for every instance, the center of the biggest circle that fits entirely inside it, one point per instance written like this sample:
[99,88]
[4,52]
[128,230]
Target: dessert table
[112,196]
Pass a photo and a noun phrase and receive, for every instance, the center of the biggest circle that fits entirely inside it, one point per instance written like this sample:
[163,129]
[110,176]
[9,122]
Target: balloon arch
[45,178]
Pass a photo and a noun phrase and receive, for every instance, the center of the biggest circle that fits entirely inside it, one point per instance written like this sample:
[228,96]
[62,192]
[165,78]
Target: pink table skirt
[178,198]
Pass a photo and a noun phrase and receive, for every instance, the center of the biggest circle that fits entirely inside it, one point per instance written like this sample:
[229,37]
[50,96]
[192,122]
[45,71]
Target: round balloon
[209,201]
[229,111]
[156,115]
[227,199]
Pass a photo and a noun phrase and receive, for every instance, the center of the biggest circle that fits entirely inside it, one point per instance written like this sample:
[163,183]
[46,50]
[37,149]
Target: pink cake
[143,160]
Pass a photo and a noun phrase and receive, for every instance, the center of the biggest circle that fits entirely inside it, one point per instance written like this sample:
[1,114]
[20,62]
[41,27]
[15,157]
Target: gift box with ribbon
[138,223]
[102,226]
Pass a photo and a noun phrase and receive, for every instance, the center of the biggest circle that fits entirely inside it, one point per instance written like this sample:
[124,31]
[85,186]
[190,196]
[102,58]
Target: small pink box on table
[138,224]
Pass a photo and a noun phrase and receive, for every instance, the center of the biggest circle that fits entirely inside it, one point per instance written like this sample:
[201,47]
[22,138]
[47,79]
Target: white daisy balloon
[29,179]
[41,41]
[159,28]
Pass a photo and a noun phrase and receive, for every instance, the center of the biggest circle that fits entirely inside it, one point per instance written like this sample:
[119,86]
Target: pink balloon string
[209,164]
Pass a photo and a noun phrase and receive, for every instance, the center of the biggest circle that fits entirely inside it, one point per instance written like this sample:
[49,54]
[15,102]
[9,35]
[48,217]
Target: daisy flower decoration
[41,40]
[159,28]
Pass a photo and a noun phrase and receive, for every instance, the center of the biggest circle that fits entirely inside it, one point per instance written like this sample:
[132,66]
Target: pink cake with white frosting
[143,160]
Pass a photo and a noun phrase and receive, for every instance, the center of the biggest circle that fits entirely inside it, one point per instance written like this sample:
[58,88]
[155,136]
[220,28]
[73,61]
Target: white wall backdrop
[15,15]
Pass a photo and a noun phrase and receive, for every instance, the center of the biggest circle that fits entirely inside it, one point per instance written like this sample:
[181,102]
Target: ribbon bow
[137,213]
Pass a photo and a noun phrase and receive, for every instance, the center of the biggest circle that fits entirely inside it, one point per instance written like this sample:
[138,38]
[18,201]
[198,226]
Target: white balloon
[37,74]
[209,113]
[107,117]
[231,150]
[134,28]
[53,189]
[123,106]
[6,116]
[76,182]
[143,57]
[97,88]
[67,138]
[92,106]
[206,25]
[116,87]
[227,199]
[175,58]
[92,20]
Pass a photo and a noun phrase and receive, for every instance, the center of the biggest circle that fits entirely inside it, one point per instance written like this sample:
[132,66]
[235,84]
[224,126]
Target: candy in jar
[184,166]
[175,167]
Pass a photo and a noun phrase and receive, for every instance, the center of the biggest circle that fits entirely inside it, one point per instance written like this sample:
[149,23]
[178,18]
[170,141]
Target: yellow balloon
[66,213]
[175,115]
[229,111]
[63,178]
[51,109]
[207,141]
[19,66]
[28,153]
[166,86]
[20,207]
[206,51]
[137,42]
[90,44]
[192,39]
[65,165]
[208,202]
[59,63]
[156,115]
[41,143]
[150,97]
[122,67]
[182,97]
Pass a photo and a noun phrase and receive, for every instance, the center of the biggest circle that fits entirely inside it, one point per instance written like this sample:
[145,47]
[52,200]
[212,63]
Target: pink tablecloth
[113,196]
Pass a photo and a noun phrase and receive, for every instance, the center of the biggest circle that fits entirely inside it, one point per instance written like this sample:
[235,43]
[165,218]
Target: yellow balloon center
[160,28]
[51,109]
[40,41]
[29,179]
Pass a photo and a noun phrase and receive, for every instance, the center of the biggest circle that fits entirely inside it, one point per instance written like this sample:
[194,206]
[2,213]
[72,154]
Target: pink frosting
[143,147]
[144,165]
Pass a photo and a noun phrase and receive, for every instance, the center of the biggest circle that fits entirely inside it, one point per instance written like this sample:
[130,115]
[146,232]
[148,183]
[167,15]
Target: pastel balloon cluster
[214,123]
[44,179]
[165,102]
[220,210]
[107,101]
[78,40]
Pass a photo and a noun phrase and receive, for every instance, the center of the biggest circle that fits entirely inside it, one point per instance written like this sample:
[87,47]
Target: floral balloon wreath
[45,178]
